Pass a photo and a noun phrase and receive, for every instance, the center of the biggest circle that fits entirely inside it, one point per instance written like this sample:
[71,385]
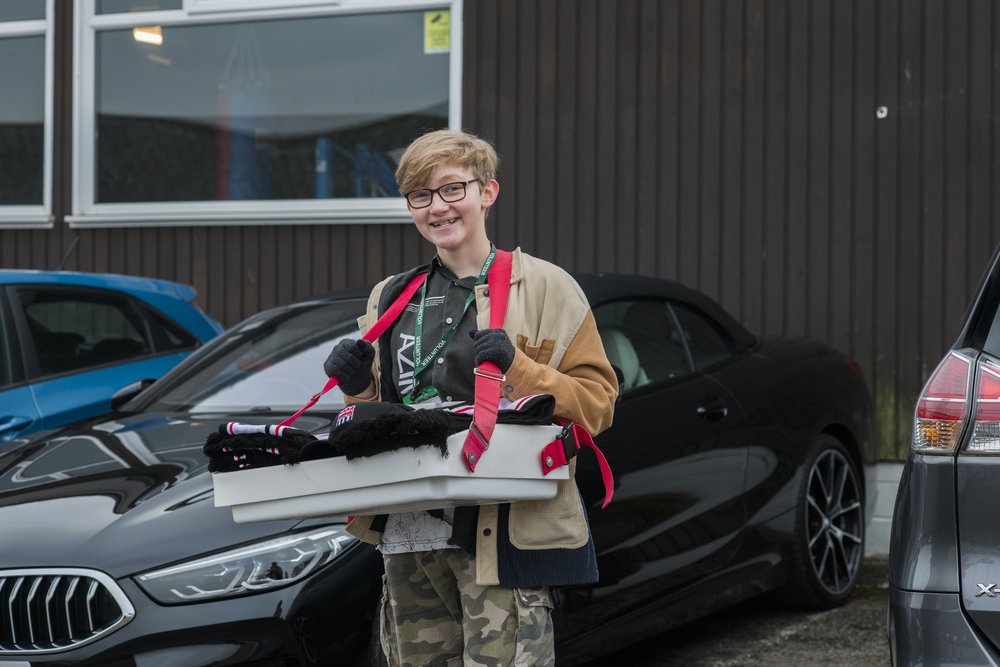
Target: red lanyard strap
[383,323]
[489,377]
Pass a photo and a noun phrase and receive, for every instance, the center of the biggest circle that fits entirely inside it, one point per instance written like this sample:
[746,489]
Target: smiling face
[456,227]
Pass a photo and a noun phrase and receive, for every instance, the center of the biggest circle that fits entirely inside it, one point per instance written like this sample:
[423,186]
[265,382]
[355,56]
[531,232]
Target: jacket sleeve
[584,385]
[348,399]
[365,322]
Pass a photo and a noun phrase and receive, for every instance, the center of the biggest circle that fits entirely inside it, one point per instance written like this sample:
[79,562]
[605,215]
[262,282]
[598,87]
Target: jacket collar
[516,270]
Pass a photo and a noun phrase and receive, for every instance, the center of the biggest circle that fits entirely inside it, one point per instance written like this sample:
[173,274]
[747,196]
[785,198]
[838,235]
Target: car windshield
[272,362]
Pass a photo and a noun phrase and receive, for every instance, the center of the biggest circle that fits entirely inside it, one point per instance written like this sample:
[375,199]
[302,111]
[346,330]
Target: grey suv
[944,571]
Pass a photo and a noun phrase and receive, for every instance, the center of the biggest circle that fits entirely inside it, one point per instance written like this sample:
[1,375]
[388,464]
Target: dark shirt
[451,371]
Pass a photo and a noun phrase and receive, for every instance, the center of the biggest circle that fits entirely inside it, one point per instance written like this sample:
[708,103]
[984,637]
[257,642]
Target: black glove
[493,345]
[351,363]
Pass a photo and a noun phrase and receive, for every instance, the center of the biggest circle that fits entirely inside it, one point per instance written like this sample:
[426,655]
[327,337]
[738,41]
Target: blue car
[69,341]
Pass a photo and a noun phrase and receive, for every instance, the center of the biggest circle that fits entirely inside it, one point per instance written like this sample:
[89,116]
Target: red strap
[489,378]
[554,455]
[498,282]
[377,329]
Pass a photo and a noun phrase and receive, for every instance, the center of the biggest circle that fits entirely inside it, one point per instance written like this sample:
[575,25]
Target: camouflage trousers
[434,613]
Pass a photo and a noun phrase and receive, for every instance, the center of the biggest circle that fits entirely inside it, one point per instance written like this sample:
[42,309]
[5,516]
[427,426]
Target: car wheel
[828,545]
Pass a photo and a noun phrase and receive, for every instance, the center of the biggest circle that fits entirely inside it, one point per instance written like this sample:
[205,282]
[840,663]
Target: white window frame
[88,213]
[33,216]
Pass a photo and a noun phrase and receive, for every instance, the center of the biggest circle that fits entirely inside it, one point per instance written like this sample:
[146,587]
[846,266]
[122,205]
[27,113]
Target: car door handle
[712,409]
[9,425]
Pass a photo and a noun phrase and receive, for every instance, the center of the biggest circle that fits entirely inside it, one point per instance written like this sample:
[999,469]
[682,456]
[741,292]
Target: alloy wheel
[834,521]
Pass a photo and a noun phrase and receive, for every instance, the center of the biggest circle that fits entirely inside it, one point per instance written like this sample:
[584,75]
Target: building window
[25,128]
[118,6]
[194,116]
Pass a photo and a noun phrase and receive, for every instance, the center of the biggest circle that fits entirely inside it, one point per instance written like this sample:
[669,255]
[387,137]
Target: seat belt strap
[558,453]
[489,377]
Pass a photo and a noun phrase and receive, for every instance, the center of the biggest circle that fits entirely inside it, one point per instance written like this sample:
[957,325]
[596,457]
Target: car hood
[122,494]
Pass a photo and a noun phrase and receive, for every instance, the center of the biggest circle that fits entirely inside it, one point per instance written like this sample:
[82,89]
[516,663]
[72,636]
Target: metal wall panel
[733,145]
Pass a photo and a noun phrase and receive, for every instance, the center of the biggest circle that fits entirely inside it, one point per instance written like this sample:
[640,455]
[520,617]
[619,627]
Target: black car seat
[109,350]
[58,351]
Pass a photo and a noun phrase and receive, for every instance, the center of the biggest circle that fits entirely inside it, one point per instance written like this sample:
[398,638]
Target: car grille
[49,610]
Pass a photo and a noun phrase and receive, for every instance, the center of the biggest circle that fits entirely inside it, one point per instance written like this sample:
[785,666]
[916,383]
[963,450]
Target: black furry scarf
[357,438]
[395,430]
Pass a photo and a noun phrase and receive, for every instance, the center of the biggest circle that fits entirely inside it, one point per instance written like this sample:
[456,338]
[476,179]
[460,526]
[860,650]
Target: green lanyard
[420,363]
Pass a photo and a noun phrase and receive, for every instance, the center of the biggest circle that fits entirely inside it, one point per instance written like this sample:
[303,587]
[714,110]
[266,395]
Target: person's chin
[448,238]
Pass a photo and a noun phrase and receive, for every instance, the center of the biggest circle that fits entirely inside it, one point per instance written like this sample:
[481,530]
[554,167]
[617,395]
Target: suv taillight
[942,407]
[986,427]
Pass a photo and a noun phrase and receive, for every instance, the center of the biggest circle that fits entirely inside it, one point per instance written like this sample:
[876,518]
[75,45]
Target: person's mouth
[443,223]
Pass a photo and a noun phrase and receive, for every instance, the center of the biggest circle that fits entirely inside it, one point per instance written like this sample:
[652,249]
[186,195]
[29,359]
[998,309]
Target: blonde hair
[445,146]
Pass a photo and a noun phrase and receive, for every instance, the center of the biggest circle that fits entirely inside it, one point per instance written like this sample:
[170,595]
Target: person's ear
[490,192]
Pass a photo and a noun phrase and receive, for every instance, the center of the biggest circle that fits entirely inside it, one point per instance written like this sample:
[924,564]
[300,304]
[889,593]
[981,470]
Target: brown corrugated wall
[733,145]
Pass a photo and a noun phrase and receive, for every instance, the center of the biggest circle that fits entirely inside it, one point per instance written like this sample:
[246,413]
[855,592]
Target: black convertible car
[738,466]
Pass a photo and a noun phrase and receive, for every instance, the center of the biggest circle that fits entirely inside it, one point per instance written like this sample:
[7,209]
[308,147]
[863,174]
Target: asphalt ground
[759,633]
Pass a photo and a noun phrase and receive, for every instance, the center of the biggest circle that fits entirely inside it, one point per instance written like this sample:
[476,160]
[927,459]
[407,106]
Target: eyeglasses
[449,192]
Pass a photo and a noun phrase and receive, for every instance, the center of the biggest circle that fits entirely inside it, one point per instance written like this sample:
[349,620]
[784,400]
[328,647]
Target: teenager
[470,585]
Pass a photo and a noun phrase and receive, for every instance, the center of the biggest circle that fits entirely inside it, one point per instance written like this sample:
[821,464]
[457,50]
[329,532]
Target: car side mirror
[129,391]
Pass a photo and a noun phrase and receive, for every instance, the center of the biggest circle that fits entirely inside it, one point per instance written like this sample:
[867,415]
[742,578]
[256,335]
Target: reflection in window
[72,332]
[118,6]
[312,108]
[22,118]
[271,363]
[707,343]
[172,336]
[641,339]
[22,10]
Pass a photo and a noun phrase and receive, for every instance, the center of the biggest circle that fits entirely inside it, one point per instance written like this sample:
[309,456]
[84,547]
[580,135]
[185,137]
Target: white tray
[404,480]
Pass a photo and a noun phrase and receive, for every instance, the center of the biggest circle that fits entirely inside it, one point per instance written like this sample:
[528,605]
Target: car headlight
[248,569]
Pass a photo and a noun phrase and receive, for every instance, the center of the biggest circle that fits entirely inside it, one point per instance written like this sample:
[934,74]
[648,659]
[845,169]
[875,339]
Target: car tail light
[986,424]
[942,407]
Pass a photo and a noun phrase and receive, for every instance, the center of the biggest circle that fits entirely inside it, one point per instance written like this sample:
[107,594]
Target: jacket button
[487,532]
[486,292]
[548,461]
[509,388]
[472,458]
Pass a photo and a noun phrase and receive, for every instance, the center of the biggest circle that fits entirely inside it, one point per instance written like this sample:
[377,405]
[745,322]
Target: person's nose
[438,204]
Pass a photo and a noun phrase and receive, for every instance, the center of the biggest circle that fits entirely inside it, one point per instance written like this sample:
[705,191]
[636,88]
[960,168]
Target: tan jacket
[558,352]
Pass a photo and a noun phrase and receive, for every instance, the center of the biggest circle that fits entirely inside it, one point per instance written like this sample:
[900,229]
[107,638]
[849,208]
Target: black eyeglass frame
[437,191]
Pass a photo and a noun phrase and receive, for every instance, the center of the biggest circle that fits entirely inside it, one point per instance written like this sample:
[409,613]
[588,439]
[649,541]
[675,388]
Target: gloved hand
[493,345]
[351,363]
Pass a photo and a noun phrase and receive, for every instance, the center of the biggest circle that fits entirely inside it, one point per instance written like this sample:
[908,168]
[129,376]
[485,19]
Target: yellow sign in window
[437,31]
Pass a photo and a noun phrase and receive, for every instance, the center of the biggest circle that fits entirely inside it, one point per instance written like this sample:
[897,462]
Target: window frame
[667,304]
[87,213]
[674,306]
[35,216]
[9,350]
[32,372]
[159,337]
